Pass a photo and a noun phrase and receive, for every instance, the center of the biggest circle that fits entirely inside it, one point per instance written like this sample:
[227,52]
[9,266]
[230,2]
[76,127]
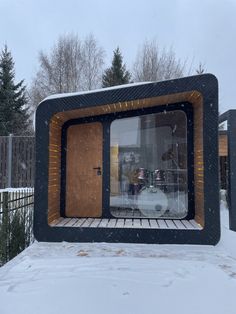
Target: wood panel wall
[198,161]
[54,169]
[223,145]
[58,119]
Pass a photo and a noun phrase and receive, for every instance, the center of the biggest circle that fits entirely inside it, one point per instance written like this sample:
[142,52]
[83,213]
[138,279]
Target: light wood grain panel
[223,145]
[198,160]
[54,169]
[83,185]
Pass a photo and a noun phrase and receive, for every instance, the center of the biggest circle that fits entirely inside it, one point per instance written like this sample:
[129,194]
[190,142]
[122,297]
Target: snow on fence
[17,158]
[16,222]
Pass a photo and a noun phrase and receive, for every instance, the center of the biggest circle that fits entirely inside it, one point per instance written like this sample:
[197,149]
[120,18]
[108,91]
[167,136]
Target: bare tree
[201,68]
[72,65]
[154,64]
[93,61]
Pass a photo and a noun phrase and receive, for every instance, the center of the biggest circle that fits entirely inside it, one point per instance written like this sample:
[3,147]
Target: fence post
[5,227]
[9,162]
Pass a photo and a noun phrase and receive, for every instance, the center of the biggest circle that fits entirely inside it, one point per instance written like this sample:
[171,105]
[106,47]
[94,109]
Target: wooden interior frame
[223,143]
[55,133]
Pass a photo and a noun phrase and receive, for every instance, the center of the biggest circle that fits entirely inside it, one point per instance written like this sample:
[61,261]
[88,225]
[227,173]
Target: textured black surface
[207,85]
[230,117]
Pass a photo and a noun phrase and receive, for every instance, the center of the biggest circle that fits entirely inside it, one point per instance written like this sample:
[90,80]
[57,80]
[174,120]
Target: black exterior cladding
[230,117]
[205,84]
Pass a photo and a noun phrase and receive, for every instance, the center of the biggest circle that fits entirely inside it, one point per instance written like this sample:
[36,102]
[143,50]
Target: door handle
[99,171]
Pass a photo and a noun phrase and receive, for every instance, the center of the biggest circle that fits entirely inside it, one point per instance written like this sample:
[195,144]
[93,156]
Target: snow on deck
[105,278]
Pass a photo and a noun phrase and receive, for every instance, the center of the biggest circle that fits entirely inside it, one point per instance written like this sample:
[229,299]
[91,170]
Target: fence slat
[16,222]
[5,228]
[22,156]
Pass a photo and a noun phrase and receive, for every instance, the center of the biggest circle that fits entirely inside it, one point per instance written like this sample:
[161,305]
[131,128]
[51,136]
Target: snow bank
[105,278]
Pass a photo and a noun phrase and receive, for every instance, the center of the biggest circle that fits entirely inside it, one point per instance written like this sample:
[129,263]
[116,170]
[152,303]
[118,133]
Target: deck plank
[95,223]
[162,224]
[136,223]
[128,223]
[112,223]
[71,222]
[80,222]
[145,223]
[56,221]
[88,222]
[179,224]
[187,224]
[170,224]
[153,223]
[63,222]
[120,223]
[103,223]
[195,224]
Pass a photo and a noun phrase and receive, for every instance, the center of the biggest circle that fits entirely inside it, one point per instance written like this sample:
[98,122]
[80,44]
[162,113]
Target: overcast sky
[203,31]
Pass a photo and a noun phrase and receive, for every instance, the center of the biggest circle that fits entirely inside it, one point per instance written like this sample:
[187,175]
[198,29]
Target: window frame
[112,208]
[106,121]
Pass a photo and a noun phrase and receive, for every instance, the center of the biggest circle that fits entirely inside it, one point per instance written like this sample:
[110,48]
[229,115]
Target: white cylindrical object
[152,202]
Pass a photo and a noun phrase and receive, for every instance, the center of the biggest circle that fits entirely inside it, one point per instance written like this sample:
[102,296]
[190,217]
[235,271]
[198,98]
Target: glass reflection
[149,166]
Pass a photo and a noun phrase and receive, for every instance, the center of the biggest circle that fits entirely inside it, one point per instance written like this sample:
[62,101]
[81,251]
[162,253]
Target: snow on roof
[55,96]
[101,278]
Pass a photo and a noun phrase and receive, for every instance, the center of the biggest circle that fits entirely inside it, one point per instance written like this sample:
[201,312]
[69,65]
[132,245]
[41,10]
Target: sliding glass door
[148,166]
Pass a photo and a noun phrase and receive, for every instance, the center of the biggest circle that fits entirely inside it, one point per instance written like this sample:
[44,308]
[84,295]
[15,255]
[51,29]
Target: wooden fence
[16,222]
[17,160]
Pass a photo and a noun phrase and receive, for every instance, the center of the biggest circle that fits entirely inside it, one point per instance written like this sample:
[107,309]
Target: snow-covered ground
[105,278]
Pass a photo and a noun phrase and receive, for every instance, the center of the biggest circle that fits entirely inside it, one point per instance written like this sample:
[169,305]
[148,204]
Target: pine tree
[13,110]
[117,73]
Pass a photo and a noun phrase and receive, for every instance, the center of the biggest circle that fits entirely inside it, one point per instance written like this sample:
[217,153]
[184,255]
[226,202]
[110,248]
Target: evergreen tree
[117,73]
[13,110]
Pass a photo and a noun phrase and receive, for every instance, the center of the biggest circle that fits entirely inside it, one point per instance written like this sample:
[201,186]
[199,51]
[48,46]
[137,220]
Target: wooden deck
[126,223]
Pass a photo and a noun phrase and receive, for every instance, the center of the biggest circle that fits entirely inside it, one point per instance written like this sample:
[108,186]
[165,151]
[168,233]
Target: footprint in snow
[125,293]
[228,270]
[82,253]
[120,252]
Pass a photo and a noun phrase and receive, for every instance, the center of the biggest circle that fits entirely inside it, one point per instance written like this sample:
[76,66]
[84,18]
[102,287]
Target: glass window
[149,166]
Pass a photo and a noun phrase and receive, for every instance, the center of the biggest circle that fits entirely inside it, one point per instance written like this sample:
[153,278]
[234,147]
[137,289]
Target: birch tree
[71,65]
[155,64]
[93,61]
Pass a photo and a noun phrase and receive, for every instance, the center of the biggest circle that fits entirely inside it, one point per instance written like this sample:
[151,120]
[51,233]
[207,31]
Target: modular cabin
[132,163]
